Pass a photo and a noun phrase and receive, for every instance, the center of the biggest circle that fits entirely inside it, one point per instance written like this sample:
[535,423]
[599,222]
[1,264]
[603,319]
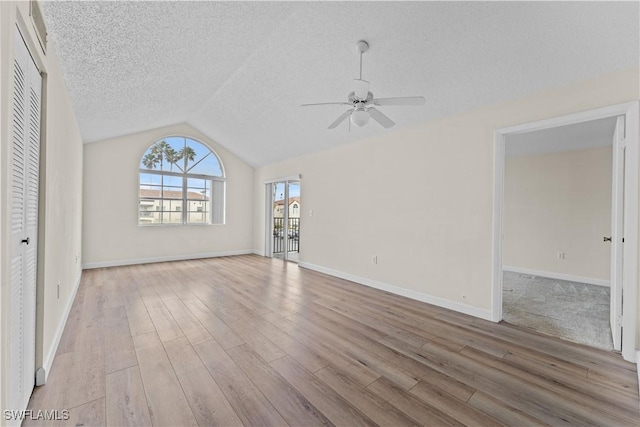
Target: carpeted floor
[574,311]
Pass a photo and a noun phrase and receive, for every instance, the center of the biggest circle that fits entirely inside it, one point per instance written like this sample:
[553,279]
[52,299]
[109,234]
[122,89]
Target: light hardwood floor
[255,341]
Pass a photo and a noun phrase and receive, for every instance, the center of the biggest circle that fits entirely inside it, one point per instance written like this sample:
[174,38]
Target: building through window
[181,182]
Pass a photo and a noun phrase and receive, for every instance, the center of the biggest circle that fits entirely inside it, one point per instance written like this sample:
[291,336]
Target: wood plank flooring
[248,340]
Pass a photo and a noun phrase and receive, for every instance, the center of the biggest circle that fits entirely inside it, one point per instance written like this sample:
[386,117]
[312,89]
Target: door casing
[631,113]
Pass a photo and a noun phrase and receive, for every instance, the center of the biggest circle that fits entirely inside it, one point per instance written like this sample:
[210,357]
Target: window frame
[185,200]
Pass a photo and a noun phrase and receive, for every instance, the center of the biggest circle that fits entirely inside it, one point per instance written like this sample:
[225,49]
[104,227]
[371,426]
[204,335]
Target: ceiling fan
[362,103]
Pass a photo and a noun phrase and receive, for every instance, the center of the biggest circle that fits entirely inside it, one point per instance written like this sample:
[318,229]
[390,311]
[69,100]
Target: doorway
[557,225]
[624,214]
[284,210]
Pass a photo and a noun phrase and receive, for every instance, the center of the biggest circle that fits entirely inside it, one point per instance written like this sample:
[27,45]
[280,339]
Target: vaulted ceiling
[238,71]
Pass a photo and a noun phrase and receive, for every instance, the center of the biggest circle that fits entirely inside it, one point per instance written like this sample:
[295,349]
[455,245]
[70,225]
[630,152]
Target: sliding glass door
[283,220]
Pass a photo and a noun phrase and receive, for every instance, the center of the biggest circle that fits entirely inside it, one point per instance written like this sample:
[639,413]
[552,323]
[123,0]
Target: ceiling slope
[238,71]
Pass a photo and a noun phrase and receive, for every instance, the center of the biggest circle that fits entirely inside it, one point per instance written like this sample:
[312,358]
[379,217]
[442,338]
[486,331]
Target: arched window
[181,182]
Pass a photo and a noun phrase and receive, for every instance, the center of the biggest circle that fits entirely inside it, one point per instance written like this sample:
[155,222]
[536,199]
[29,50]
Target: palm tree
[150,160]
[187,153]
[171,156]
[161,150]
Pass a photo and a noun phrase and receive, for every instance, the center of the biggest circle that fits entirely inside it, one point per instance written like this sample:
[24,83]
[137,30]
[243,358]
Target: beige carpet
[573,311]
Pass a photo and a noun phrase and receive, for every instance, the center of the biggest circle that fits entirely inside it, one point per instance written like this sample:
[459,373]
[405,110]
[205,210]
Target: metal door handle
[607,239]
[27,240]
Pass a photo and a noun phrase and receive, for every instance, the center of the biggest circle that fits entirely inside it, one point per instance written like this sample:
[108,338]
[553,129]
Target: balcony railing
[292,241]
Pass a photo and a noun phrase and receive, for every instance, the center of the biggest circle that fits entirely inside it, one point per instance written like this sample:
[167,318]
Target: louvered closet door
[25,153]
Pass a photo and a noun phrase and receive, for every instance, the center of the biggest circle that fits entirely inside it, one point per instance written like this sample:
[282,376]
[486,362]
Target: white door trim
[617,231]
[631,111]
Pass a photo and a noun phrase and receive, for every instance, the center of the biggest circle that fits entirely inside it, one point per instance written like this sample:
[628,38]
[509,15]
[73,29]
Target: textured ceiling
[238,71]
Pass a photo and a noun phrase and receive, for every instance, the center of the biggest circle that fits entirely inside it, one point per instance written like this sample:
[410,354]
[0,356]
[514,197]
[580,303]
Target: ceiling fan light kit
[360,117]
[362,102]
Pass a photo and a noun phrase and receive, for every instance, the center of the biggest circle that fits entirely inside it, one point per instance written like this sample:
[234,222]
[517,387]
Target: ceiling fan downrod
[361,47]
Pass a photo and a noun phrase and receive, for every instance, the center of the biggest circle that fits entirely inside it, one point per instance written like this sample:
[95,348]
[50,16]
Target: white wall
[559,202]
[420,198]
[111,235]
[60,192]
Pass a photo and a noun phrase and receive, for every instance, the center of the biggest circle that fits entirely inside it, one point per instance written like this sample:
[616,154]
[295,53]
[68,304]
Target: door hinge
[622,142]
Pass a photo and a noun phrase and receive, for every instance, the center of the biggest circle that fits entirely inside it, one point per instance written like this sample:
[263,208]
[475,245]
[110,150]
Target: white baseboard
[48,360]
[440,302]
[259,252]
[559,276]
[133,261]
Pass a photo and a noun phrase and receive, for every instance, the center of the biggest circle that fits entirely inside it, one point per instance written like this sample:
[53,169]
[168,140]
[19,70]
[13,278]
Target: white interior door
[617,233]
[25,159]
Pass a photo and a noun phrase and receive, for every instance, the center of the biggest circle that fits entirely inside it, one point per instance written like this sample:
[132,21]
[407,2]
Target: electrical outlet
[561,255]
[311,212]
[374,259]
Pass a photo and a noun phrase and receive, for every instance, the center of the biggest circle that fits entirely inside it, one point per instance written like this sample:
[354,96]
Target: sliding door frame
[268,245]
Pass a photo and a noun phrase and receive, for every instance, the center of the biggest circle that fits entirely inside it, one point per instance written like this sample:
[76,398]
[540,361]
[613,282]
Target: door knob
[606,239]
[27,240]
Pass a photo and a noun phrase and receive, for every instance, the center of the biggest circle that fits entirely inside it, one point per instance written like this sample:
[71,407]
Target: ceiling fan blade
[404,100]
[340,119]
[326,103]
[376,115]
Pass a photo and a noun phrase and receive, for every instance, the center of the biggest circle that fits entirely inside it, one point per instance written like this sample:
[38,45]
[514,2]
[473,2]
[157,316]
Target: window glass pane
[164,155]
[149,204]
[173,181]
[172,193]
[148,217]
[201,160]
[198,193]
[150,192]
[175,205]
[197,183]
[198,217]
[171,158]
[208,165]
[150,179]
[173,217]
